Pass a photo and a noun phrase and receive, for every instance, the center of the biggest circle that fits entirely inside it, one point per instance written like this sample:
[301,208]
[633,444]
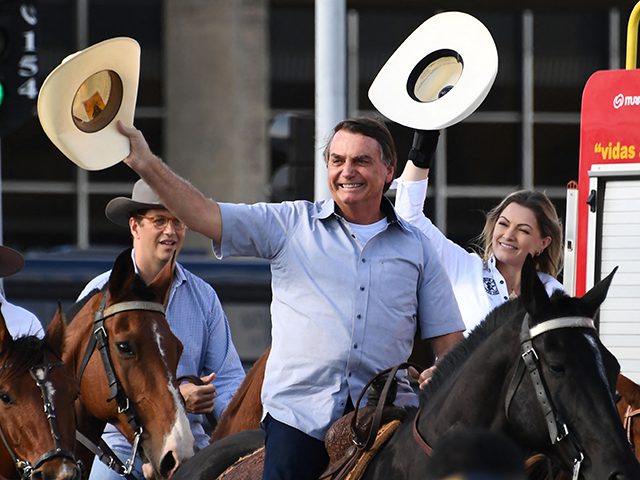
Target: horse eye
[6,398]
[125,348]
[557,368]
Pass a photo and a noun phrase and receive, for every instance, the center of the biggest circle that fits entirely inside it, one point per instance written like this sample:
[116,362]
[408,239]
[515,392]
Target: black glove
[423,148]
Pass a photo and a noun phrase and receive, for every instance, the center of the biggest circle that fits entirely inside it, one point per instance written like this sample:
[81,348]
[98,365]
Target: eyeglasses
[160,222]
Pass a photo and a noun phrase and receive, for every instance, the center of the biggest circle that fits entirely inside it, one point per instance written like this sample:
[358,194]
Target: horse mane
[25,351]
[137,287]
[494,320]
[465,347]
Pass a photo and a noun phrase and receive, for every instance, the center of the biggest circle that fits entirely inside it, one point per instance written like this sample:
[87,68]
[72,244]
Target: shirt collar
[328,208]
[178,273]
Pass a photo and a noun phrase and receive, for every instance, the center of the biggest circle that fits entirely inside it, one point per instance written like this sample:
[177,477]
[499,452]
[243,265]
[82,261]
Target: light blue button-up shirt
[196,317]
[342,310]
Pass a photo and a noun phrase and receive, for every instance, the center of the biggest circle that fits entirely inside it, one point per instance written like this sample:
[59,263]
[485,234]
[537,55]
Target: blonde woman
[525,222]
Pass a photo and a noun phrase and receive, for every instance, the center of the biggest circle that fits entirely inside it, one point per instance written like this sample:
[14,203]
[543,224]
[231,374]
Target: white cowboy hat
[439,75]
[83,97]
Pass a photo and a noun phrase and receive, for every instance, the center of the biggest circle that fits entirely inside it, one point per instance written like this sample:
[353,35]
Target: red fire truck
[603,209]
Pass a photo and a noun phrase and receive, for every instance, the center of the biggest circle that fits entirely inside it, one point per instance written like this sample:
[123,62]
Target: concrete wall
[217,72]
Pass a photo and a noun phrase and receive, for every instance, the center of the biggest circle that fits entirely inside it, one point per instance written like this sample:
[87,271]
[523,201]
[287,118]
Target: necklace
[513,295]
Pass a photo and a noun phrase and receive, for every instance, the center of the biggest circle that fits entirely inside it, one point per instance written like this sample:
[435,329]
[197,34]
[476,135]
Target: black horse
[534,370]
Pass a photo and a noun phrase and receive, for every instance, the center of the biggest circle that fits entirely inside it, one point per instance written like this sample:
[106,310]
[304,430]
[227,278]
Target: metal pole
[614,39]
[632,38]
[330,81]
[527,99]
[353,62]
[82,182]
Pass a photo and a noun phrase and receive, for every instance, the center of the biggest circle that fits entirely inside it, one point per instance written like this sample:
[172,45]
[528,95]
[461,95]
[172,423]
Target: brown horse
[136,368]
[37,443]
[628,408]
[245,409]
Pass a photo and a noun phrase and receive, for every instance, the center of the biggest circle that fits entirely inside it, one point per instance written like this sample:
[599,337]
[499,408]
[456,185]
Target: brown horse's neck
[245,409]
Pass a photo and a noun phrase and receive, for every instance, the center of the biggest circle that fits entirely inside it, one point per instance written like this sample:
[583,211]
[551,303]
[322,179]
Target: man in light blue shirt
[351,283]
[194,314]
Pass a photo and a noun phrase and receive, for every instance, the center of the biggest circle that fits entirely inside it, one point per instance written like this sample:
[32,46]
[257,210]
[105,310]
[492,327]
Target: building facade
[216,74]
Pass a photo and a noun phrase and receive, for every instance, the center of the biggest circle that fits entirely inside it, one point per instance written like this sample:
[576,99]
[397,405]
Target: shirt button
[355,346]
[353,235]
[364,260]
[358,316]
[506,298]
[362,287]
[501,282]
[349,373]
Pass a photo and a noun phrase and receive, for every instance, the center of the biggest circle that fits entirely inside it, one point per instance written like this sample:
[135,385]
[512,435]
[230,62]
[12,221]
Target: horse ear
[592,300]
[122,273]
[56,332]
[161,285]
[534,296]
[6,340]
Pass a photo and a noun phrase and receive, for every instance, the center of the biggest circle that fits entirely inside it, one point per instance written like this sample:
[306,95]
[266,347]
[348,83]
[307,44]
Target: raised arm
[179,196]
[421,155]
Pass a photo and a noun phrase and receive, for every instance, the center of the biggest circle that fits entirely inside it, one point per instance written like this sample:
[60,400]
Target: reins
[99,339]
[24,468]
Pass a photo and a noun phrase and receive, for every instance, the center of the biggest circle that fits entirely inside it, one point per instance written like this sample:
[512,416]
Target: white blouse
[478,288]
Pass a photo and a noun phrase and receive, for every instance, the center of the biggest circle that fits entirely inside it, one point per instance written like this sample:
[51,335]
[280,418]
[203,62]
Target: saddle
[348,454]
[344,454]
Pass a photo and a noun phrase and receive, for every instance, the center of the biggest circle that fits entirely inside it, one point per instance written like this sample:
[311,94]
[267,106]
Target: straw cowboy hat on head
[11,261]
[142,198]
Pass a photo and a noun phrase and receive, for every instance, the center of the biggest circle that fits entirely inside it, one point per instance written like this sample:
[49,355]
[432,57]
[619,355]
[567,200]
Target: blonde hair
[550,260]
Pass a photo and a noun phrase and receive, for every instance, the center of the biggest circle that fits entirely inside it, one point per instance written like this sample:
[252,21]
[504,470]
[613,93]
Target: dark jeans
[291,454]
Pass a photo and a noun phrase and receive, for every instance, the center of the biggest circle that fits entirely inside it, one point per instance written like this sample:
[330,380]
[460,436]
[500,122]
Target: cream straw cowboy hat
[439,75]
[81,100]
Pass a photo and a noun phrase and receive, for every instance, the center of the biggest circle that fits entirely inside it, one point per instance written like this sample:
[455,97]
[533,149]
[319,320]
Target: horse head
[536,371]
[132,383]
[37,417]
[566,408]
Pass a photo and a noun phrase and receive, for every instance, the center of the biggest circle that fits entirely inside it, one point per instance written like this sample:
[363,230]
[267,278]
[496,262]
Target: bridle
[628,424]
[99,340]
[24,468]
[558,430]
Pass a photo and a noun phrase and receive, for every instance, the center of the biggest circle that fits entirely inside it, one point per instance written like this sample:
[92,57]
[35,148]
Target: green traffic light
[1,93]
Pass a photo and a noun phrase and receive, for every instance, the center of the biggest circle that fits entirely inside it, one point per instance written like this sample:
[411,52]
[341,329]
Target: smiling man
[351,283]
[193,311]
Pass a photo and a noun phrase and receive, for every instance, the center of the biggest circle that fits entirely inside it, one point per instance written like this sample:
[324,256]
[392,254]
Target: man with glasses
[194,314]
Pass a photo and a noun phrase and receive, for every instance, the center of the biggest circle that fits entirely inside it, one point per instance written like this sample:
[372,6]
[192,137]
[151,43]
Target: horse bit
[558,429]
[99,339]
[24,468]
